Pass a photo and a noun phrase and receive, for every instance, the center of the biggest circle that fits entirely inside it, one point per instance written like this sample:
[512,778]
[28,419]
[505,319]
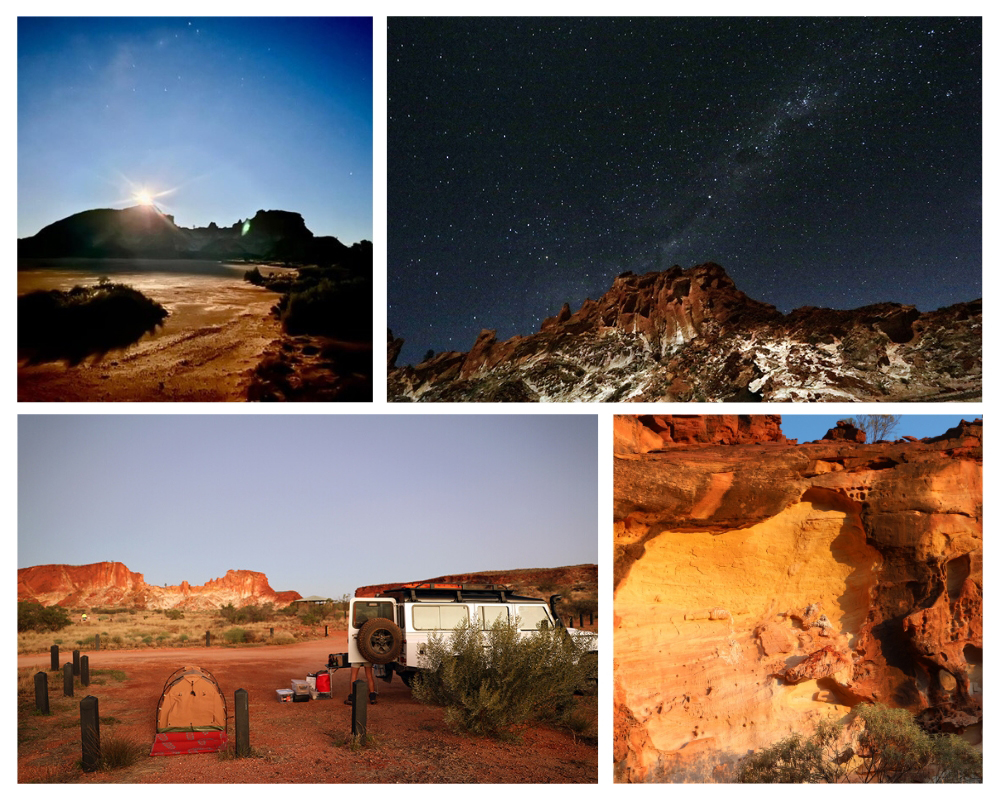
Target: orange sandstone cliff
[110,583]
[761,587]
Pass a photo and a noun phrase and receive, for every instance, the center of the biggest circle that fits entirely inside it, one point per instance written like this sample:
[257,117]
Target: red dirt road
[297,742]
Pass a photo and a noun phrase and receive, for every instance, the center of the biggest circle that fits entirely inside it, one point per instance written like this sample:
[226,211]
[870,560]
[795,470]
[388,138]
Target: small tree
[891,745]
[876,426]
[36,617]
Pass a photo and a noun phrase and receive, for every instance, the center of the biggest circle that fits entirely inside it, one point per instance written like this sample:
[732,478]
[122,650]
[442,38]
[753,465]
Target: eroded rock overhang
[760,588]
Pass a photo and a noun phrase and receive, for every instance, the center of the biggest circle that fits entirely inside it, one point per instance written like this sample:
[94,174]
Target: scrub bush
[492,681]
[889,747]
[54,325]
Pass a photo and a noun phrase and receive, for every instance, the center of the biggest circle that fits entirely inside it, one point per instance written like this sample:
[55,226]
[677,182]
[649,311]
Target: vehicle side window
[427,617]
[490,614]
[533,617]
[364,611]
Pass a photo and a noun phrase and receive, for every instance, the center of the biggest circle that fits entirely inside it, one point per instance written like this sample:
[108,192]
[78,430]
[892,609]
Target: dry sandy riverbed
[218,328]
[296,742]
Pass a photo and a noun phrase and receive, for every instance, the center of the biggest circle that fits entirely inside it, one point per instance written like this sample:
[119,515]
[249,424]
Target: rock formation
[145,232]
[691,335]
[532,582]
[650,432]
[111,584]
[761,588]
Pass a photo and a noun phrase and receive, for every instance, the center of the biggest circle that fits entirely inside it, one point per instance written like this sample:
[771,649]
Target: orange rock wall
[109,583]
[759,589]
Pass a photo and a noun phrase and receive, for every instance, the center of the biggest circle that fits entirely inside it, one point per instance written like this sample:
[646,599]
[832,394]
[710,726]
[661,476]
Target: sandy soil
[297,742]
[217,330]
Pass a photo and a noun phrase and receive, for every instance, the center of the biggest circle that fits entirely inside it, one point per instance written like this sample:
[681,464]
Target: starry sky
[827,162]
[321,503]
[214,118]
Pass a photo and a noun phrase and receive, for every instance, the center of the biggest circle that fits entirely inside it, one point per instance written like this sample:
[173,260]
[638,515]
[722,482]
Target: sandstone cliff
[691,335]
[761,588]
[109,583]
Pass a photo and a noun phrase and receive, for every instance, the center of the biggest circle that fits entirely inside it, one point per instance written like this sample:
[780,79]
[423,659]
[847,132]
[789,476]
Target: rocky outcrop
[761,589]
[845,431]
[691,335]
[111,584]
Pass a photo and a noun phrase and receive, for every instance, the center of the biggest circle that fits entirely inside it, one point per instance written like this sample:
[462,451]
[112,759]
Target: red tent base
[180,743]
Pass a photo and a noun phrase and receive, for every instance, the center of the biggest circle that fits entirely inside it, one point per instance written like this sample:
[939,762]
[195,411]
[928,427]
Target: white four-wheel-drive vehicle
[392,629]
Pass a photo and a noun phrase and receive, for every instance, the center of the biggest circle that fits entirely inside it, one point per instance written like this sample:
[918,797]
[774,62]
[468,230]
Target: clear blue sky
[809,427]
[217,118]
[320,503]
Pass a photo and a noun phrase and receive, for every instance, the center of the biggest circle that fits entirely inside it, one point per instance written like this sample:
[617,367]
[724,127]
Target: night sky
[213,118]
[827,162]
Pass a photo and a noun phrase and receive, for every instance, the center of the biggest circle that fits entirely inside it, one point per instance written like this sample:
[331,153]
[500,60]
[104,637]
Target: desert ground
[294,742]
[218,328]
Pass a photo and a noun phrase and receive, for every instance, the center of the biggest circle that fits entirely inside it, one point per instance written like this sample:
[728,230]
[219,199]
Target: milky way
[821,162]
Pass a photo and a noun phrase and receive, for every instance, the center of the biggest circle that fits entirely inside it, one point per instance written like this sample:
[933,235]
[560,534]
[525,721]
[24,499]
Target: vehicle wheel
[380,641]
[407,678]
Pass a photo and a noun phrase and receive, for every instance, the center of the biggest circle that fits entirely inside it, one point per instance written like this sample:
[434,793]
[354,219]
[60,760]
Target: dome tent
[191,715]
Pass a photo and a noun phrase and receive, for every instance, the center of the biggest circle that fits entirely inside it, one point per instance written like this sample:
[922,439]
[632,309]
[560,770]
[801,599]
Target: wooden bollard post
[76,662]
[54,655]
[359,710]
[90,733]
[208,638]
[97,641]
[85,670]
[272,633]
[326,630]
[591,617]
[42,692]
[242,723]
[67,679]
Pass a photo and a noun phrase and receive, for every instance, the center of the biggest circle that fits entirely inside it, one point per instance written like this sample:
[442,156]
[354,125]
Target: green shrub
[492,681]
[174,613]
[955,760]
[36,617]
[889,747]
[796,759]
[235,636]
[252,613]
[311,617]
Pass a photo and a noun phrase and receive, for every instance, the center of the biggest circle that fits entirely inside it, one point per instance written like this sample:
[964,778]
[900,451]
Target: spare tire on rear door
[380,641]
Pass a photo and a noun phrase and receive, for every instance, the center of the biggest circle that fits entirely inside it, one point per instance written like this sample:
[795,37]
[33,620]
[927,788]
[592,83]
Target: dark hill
[145,232]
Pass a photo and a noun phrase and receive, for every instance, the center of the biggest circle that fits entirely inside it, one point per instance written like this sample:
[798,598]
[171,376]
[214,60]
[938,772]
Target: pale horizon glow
[321,504]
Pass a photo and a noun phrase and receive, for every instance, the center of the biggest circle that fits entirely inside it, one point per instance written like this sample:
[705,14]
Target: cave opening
[957,570]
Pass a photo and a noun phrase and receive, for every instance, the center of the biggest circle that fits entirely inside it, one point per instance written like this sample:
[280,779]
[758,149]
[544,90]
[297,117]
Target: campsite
[307,742]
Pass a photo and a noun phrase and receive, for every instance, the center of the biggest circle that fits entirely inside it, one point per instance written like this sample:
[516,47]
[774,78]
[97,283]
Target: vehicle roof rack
[429,592]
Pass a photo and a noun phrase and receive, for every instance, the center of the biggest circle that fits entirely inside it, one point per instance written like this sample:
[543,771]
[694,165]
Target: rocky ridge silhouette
[692,335]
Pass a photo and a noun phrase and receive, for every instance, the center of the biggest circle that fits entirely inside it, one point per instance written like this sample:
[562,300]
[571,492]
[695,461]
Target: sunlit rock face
[760,588]
[112,584]
[691,335]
